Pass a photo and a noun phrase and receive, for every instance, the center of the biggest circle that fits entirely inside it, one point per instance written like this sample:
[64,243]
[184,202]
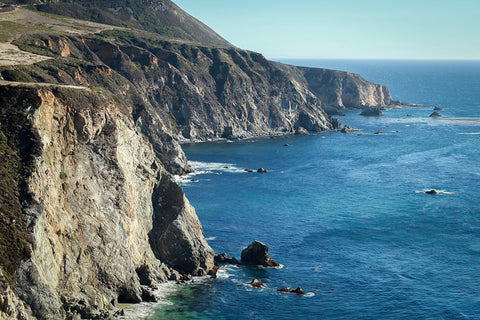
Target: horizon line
[383,59]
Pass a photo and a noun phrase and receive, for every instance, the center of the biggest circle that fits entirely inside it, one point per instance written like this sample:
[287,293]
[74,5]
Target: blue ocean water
[346,214]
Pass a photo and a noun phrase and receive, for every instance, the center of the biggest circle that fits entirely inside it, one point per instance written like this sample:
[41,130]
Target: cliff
[101,211]
[90,134]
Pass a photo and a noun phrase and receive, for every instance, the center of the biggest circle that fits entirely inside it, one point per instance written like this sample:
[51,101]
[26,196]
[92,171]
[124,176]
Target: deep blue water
[346,214]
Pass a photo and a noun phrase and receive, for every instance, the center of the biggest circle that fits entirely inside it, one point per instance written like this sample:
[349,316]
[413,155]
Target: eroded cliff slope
[95,205]
[90,137]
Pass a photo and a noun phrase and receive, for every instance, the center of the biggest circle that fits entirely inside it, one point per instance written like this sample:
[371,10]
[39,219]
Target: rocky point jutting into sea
[90,130]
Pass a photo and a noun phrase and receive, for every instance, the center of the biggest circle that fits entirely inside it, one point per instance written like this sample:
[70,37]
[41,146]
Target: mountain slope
[159,16]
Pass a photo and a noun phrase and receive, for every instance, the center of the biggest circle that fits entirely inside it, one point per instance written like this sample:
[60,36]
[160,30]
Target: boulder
[286,289]
[223,258]
[433,191]
[298,290]
[257,283]
[213,272]
[261,170]
[437,109]
[257,254]
[435,114]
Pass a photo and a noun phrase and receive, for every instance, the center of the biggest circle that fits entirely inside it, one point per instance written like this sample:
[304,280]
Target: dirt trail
[39,84]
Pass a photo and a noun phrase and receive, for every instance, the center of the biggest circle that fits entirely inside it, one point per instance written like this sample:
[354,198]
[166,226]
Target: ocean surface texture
[346,215]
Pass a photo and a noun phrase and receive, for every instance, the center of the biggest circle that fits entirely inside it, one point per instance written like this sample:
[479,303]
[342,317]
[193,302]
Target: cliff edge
[91,120]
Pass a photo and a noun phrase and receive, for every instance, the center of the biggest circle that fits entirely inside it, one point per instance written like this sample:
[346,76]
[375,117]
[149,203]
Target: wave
[144,310]
[201,168]
[208,167]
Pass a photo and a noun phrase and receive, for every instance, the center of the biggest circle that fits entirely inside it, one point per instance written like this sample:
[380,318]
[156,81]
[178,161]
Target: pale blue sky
[358,29]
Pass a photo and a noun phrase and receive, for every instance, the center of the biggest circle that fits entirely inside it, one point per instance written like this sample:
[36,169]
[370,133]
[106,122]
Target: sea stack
[257,254]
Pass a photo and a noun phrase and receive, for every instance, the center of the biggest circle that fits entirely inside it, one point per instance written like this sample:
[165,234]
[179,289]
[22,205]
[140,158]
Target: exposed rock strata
[90,208]
[92,136]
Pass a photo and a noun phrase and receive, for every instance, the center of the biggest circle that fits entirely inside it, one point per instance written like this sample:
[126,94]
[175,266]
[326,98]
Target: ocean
[346,215]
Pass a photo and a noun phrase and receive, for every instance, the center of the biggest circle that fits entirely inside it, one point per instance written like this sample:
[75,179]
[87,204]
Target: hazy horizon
[346,29]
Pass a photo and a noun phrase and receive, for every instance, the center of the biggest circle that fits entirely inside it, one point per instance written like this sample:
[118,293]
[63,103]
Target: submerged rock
[435,114]
[437,109]
[257,254]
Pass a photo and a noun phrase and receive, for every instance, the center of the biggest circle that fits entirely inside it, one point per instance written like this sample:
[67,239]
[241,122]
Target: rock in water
[262,170]
[223,258]
[286,289]
[437,109]
[433,191]
[435,114]
[298,290]
[257,254]
[371,112]
[257,283]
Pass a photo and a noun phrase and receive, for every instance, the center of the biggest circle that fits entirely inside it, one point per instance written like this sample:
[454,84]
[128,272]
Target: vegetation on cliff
[19,145]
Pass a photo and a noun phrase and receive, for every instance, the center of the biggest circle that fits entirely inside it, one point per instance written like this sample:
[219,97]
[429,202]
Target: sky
[346,29]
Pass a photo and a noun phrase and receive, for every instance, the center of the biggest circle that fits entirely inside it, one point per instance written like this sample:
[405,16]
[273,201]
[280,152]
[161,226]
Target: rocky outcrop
[95,201]
[177,235]
[257,254]
[345,90]
[371,112]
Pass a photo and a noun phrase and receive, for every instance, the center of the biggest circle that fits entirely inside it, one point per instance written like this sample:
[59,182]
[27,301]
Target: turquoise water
[346,214]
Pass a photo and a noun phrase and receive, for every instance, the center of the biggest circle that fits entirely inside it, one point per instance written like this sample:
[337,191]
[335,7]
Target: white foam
[208,167]
[144,310]
[211,238]
[438,191]
[473,133]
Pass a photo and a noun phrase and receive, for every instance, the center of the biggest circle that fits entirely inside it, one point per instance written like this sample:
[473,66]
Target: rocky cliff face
[96,199]
[90,138]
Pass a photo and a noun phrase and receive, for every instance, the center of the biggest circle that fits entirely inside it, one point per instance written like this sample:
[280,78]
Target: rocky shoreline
[90,142]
